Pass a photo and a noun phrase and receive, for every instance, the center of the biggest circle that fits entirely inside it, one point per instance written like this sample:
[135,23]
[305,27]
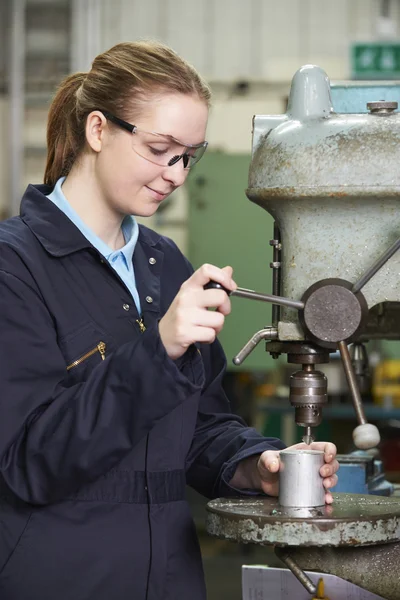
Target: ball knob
[366,436]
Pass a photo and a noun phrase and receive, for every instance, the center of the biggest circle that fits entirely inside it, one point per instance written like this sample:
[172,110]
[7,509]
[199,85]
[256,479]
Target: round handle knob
[366,436]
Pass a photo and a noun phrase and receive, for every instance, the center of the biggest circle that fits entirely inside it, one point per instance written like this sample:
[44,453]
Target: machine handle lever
[366,435]
[252,295]
[269,333]
[378,264]
[290,562]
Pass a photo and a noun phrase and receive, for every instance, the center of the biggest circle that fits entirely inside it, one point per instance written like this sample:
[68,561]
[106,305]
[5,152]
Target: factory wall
[229,40]
[250,48]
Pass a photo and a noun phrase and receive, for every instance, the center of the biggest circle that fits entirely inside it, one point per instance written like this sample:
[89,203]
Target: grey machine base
[356,538]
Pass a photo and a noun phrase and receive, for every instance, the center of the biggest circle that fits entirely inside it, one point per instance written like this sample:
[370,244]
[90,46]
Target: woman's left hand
[268,466]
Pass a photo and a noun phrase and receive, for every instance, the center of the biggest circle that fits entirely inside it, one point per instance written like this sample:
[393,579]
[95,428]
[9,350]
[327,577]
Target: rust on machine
[352,520]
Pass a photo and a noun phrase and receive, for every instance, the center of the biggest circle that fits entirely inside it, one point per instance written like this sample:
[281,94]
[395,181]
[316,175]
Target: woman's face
[131,184]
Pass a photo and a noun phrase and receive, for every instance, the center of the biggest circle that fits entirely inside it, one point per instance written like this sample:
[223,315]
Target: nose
[176,173]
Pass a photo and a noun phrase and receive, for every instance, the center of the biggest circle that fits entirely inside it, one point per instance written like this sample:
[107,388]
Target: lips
[158,191]
[158,195]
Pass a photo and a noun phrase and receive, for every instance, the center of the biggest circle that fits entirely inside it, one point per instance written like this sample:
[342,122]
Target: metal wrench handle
[252,295]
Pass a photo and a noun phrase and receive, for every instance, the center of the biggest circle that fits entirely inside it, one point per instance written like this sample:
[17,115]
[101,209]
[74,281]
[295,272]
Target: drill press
[332,183]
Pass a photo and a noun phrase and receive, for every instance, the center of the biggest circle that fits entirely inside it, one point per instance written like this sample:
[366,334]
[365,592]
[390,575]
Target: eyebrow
[173,138]
[130,127]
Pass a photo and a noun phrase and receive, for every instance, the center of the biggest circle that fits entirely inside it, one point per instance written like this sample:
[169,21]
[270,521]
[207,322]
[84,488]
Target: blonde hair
[119,82]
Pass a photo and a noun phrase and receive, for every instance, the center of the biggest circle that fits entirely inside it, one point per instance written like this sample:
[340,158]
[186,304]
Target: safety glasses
[163,150]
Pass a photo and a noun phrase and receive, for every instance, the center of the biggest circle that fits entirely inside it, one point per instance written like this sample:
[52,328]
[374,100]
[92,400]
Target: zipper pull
[141,324]
[102,349]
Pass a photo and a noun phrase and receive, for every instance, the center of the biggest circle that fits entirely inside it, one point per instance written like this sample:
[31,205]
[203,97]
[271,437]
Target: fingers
[269,461]
[330,482]
[328,500]
[202,318]
[206,335]
[329,469]
[268,468]
[327,448]
[215,299]
[188,319]
[207,273]
[228,270]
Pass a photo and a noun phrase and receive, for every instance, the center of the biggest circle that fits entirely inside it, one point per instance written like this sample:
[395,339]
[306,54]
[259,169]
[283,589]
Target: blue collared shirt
[121,260]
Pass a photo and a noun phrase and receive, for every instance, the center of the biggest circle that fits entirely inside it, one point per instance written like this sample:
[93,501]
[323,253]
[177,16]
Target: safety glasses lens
[164,151]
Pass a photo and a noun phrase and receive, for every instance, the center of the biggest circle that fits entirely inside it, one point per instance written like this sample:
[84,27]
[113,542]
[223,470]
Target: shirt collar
[130,228]
[54,230]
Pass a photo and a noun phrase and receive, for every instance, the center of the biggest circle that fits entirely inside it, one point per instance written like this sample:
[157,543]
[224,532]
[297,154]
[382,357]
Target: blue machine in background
[353,96]
[361,473]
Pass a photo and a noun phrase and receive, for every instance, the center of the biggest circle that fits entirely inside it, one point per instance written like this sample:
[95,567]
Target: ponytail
[65,130]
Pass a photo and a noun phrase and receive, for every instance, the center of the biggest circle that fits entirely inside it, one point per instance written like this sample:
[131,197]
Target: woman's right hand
[188,319]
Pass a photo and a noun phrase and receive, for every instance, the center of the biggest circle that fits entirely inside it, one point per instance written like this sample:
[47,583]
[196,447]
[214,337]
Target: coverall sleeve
[55,437]
[221,439]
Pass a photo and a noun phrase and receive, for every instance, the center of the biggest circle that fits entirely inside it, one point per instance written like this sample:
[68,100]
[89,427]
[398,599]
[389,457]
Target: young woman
[111,398]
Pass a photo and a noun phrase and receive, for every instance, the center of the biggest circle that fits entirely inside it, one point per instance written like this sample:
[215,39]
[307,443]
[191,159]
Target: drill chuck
[308,394]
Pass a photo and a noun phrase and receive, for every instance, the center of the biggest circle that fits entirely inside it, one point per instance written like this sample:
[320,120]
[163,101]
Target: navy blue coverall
[100,430]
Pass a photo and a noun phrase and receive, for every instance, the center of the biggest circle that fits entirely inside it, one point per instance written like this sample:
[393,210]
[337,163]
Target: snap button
[152,261]
[126,306]
[149,299]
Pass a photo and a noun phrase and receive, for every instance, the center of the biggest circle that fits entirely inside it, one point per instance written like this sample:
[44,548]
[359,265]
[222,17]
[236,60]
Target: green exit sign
[376,60]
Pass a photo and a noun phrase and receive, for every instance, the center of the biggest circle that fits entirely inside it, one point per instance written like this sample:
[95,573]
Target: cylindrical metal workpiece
[300,483]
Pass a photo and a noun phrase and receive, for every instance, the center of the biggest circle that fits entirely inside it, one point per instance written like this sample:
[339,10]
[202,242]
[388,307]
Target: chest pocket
[84,349]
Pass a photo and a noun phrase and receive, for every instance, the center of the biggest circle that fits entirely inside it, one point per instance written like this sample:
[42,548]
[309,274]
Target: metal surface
[353,96]
[352,520]
[300,482]
[352,381]
[373,269]
[276,273]
[332,184]
[382,107]
[252,295]
[332,312]
[300,353]
[361,473]
[373,568]
[359,360]
[365,435]
[383,323]
[269,333]
[308,436]
[289,561]
[308,394]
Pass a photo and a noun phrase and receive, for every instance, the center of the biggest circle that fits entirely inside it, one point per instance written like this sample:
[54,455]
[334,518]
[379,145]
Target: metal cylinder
[300,483]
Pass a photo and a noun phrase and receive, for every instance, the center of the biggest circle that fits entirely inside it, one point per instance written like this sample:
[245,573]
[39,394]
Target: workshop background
[248,50]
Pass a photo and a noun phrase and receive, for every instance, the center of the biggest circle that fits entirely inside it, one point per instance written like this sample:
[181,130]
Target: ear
[96,125]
